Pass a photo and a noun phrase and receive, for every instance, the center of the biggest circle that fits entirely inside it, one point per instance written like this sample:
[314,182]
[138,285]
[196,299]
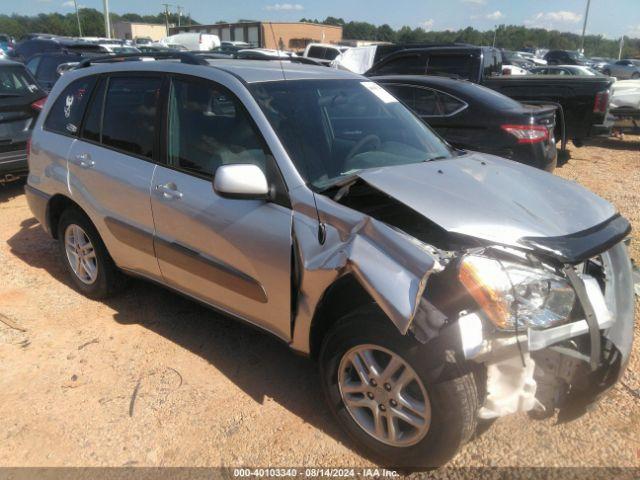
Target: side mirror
[244,181]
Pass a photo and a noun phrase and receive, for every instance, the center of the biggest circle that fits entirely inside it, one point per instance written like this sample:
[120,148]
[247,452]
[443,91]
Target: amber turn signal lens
[490,301]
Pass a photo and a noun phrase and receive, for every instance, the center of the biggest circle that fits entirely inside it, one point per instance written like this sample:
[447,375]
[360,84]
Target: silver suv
[437,288]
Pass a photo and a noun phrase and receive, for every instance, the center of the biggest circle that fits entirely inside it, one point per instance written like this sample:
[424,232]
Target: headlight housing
[509,292]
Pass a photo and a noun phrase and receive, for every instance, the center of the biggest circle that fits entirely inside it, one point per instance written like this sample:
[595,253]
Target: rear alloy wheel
[86,258]
[81,254]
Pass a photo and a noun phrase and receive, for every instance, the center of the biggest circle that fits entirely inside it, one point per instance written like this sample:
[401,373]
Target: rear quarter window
[316,52]
[405,65]
[66,114]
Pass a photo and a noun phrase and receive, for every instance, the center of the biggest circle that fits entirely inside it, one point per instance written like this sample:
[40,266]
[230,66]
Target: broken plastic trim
[582,245]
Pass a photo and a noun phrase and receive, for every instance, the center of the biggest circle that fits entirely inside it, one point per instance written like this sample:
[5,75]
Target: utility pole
[584,25]
[166,16]
[75,3]
[621,47]
[179,8]
[495,34]
[107,22]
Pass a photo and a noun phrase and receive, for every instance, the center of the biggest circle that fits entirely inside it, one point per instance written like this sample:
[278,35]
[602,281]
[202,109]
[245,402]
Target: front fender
[391,266]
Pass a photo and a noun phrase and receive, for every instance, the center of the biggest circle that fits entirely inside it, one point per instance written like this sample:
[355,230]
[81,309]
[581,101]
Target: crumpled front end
[566,366]
[545,317]
[333,241]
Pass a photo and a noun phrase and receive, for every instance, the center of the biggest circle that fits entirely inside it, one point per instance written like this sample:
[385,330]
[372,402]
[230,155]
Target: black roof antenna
[322,228]
[284,77]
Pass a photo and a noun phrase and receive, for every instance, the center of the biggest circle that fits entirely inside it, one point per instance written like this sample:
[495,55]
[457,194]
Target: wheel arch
[343,296]
[55,207]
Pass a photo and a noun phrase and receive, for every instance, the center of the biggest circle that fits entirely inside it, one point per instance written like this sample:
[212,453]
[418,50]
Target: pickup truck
[582,102]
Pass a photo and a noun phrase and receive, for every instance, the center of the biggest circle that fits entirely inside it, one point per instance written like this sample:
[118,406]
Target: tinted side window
[316,52]
[48,68]
[459,65]
[66,114]
[449,104]
[426,102]
[331,54]
[408,65]
[32,65]
[93,118]
[129,117]
[208,127]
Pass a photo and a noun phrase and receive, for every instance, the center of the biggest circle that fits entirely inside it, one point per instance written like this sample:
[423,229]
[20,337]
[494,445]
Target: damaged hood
[492,199]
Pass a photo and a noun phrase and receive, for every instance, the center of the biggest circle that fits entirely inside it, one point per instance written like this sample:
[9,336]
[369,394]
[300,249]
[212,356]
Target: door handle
[83,160]
[169,191]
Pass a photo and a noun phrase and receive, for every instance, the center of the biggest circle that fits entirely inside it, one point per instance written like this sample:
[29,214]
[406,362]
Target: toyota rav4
[436,288]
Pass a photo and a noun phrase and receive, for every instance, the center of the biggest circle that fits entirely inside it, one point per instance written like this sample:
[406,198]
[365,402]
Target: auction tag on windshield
[379,92]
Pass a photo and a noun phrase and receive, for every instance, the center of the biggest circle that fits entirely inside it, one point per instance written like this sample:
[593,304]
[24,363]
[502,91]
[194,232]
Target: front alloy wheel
[404,404]
[384,395]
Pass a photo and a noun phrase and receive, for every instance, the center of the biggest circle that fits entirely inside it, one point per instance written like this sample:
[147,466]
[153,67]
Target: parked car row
[436,287]
[582,102]
[570,108]
[20,102]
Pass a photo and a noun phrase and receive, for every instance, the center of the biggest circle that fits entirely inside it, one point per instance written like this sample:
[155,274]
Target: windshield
[334,128]
[15,81]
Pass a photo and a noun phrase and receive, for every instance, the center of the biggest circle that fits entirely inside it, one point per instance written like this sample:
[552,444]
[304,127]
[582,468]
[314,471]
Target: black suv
[45,67]
[20,102]
[28,48]
[565,57]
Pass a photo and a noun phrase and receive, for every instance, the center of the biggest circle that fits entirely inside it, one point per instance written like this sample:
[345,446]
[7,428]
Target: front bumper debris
[535,369]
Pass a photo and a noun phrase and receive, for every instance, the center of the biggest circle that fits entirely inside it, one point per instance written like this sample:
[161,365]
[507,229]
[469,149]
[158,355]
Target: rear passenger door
[112,163]
[234,254]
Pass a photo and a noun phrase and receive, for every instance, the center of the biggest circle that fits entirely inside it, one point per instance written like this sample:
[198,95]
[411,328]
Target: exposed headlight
[510,292]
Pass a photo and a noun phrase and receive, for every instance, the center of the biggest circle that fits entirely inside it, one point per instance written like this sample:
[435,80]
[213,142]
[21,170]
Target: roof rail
[184,57]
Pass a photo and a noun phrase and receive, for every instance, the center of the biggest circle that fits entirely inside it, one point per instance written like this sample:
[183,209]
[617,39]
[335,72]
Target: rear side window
[316,52]
[66,114]
[48,68]
[32,65]
[463,66]
[93,118]
[129,118]
[426,102]
[408,65]
[331,54]
[15,81]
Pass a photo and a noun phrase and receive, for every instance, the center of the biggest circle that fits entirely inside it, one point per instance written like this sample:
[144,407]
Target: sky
[611,18]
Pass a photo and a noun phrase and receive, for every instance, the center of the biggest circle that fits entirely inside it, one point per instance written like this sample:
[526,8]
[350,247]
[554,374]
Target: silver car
[437,288]
[623,69]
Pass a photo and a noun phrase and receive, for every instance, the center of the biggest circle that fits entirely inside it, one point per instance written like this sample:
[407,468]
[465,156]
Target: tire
[607,73]
[108,278]
[635,76]
[451,390]
[578,142]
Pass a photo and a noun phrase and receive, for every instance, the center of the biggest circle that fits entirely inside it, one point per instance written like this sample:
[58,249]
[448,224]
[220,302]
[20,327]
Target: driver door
[234,254]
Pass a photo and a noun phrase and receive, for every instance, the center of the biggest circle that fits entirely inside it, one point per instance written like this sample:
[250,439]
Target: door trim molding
[210,269]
